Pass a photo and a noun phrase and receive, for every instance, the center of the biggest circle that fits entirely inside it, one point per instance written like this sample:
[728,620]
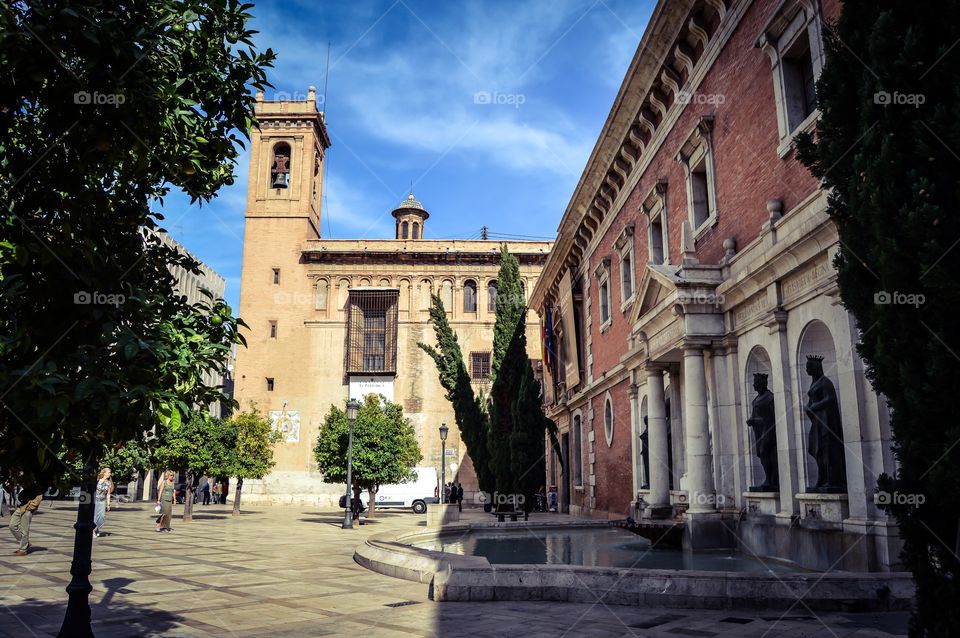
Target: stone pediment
[663,285]
[658,285]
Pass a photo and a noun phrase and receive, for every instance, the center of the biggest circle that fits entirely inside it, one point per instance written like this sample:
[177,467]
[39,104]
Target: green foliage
[385,449]
[515,439]
[251,454]
[105,108]
[511,309]
[202,444]
[506,441]
[890,166]
[468,409]
[127,461]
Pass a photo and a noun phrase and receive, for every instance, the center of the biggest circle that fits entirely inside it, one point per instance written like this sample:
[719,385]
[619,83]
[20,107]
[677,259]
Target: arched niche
[320,294]
[758,362]
[815,339]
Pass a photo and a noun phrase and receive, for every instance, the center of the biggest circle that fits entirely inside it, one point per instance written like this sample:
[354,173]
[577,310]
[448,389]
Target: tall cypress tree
[468,409]
[517,424]
[887,149]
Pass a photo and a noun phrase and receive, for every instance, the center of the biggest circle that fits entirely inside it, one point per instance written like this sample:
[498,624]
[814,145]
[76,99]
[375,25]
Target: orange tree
[105,108]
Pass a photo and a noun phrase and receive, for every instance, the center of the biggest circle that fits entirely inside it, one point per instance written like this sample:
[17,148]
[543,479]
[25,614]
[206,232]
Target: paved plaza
[283,571]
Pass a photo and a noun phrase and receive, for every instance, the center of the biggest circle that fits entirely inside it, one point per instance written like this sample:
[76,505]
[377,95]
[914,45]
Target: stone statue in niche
[825,442]
[645,454]
[763,422]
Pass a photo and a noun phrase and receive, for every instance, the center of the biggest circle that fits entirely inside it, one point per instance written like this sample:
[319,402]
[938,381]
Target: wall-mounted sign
[361,386]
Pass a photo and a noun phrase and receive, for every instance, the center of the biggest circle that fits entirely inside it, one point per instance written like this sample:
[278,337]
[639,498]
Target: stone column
[636,427]
[700,489]
[657,439]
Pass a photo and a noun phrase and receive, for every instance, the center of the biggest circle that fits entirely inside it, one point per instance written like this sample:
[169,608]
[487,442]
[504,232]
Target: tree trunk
[76,622]
[236,497]
[188,497]
[372,510]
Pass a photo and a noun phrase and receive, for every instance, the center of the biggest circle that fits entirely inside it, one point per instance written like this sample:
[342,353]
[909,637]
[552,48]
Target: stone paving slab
[289,572]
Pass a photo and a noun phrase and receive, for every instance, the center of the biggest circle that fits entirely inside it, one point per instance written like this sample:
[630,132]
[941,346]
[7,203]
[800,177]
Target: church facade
[703,370]
[332,319]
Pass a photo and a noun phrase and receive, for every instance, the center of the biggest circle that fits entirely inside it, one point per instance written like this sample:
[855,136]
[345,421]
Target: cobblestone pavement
[278,571]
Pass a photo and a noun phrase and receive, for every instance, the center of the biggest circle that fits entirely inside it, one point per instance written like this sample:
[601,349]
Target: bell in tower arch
[280,171]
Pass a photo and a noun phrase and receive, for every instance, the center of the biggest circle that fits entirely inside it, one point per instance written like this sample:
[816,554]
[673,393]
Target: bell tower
[286,163]
[284,190]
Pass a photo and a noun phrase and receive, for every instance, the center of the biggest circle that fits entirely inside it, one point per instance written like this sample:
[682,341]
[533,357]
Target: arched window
[492,296]
[446,295]
[469,296]
[321,296]
[608,419]
[426,289]
[416,231]
[404,230]
[280,167]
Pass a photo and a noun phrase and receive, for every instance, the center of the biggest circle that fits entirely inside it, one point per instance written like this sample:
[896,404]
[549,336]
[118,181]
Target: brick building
[336,318]
[696,252]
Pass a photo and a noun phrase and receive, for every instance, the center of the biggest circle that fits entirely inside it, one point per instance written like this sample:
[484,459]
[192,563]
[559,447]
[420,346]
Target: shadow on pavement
[110,618]
[337,520]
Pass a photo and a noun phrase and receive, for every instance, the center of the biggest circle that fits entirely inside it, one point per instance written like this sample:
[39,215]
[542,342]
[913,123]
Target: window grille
[480,366]
[372,331]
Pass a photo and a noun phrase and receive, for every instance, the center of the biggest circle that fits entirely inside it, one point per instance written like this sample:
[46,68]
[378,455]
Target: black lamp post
[443,460]
[352,408]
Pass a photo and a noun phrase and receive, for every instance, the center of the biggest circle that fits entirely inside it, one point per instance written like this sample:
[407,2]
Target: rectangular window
[604,301]
[276,276]
[656,240]
[480,366]
[372,331]
[626,274]
[699,188]
[799,82]
[269,384]
[273,329]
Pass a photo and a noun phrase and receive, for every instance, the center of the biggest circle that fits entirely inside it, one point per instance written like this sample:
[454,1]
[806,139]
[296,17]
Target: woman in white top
[101,501]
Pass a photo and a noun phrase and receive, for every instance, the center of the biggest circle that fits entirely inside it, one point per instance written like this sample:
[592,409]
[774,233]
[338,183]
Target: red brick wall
[614,477]
[747,167]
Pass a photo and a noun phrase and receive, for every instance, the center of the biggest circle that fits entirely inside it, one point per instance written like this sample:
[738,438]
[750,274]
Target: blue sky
[490,108]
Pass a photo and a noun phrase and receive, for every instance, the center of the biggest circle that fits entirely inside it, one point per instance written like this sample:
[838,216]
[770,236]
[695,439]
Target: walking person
[216,493]
[20,524]
[459,489]
[206,491]
[165,492]
[101,501]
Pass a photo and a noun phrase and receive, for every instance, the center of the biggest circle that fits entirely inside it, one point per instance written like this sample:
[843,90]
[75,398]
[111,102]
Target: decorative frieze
[794,285]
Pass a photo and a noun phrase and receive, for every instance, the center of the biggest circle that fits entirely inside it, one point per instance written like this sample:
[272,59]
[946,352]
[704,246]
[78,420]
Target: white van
[414,495]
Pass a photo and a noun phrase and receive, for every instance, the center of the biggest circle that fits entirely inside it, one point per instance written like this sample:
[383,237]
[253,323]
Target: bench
[501,516]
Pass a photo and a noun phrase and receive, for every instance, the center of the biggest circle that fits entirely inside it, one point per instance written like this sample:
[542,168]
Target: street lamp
[443,459]
[353,406]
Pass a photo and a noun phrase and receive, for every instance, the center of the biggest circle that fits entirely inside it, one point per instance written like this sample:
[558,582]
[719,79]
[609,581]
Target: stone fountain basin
[453,577]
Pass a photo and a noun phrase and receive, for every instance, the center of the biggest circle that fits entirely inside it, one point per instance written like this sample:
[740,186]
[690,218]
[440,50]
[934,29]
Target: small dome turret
[410,215]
